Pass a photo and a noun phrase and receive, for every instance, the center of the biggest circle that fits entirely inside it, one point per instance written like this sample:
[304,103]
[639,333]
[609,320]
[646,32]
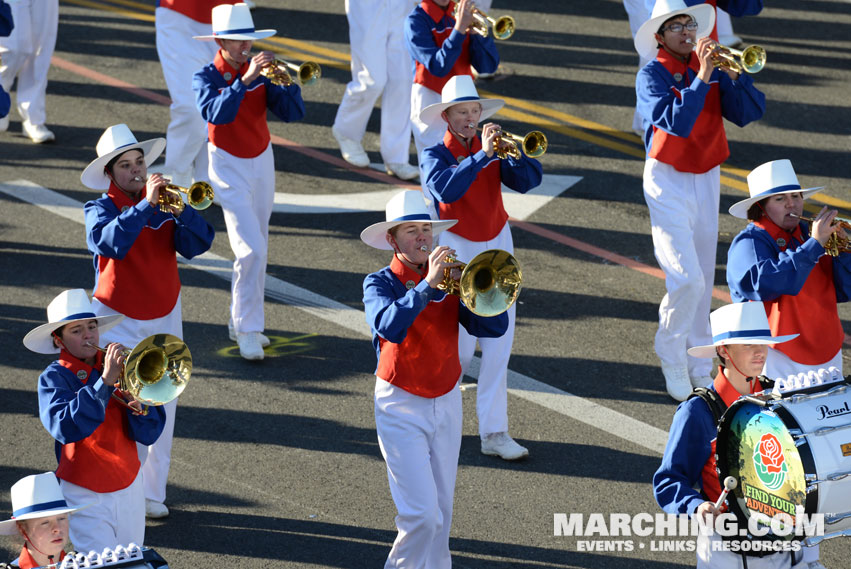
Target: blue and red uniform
[6,27]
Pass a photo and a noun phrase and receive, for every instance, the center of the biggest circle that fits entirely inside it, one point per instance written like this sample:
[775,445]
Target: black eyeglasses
[678,27]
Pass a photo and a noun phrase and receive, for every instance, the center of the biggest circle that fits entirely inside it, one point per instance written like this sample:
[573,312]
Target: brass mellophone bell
[156,371]
[835,243]
[533,145]
[751,59]
[199,195]
[278,72]
[489,284]
[503,28]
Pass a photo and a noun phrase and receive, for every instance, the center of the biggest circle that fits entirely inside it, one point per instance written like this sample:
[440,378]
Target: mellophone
[790,452]
[130,557]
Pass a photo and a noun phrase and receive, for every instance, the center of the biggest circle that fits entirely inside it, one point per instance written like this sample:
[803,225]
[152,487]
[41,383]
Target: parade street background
[276,463]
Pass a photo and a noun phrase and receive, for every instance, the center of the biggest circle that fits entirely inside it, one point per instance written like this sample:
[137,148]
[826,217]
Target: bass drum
[789,455]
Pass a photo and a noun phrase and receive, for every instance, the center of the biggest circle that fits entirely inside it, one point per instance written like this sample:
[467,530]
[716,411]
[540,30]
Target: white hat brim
[10,527]
[708,351]
[374,235]
[40,338]
[740,209]
[95,178]
[256,35]
[431,114]
[645,38]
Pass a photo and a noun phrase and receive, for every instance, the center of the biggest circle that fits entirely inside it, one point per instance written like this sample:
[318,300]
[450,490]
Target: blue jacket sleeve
[5,103]
[69,410]
[521,175]
[659,105]
[192,235]
[438,60]
[217,101]
[6,22]
[483,53]
[689,447]
[446,179]
[741,101]
[110,233]
[285,102]
[737,7]
[389,315]
[146,429]
[758,270]
[483,326]
[842,277]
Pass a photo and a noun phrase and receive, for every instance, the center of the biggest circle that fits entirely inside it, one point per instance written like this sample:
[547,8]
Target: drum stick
[729,484]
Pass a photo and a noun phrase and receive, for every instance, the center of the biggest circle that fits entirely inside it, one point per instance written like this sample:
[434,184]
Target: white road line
[519,206]
[525,387]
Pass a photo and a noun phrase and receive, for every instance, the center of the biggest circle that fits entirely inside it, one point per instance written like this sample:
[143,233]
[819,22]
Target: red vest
[144,284]
[480,212]
[199,10]
[811,313]
[106,460]
[463,65]
[248,135]
[426,362]
[706,145]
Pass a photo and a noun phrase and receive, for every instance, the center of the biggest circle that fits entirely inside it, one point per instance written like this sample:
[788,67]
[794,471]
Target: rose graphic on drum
[769,462]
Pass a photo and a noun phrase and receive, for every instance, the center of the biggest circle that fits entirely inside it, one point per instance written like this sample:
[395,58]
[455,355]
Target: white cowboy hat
[114,141]
[459,89]
[645,38]
[234,22]
[770,179]
[36,496]
[404,207]
[739,323]
[69,307]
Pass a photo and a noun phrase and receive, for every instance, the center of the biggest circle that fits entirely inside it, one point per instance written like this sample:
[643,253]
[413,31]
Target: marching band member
[442,47]
[180,56]
[6,26]
[776,260]
[740,343]
[381,67]
[417,398]
[40,515]
[26,54]
[134,243]
[683,98]
[233,97]
[96,436]
[464,178]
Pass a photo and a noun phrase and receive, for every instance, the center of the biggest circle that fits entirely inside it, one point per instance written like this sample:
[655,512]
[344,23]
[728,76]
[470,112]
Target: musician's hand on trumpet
[490,138]
[703,51]
[465,9]
[822,227]
[256,65]
[113,364]
[438,262]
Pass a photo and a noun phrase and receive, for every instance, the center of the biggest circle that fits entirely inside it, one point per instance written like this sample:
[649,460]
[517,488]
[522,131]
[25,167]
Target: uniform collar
[122,200]
[437,13]
[674,64]
[778,233]
[725,389]
[459,150]
[226,69]
[26,561]
[404,273]
[79,368]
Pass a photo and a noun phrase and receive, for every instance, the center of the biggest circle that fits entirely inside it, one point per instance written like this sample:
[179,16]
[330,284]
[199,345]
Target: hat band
[741,334]
[40,508]
[78,316]
[778,189]
[119,148]
[462,99]
[234,31]
[413,216]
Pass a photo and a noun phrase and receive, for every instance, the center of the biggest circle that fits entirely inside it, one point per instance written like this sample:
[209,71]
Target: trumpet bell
[200,195]
[157,370]
[309,73]
[490,282]
[503,28]
[535,144]
[753,59]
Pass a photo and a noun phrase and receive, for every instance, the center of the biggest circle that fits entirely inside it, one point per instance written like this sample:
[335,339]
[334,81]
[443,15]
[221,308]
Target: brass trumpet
[533,145]
[503,28]
[835,243]
[278,72]
[489,284]
[750,60]
[199,195]
[156,371]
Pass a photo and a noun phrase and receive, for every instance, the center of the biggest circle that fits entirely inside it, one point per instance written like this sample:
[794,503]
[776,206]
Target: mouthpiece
[471,125]
[424,249]
[137,179]
[246,53]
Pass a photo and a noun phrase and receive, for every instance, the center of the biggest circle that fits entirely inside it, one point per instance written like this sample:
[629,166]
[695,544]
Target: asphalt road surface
[276,464]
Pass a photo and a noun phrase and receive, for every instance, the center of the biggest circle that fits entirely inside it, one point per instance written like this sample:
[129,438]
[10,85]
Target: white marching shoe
[503,446]
[677,381]
[38,133]
[402,171]
[264,340]
[249,345]
[351,149]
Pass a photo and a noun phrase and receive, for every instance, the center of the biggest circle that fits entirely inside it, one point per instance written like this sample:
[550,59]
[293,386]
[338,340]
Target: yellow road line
[108,8]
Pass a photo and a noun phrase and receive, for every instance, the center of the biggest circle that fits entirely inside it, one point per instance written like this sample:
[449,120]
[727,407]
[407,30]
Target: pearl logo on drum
[825,412]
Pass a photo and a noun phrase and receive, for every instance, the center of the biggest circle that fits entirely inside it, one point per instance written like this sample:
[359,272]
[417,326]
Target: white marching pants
[180,57]
[381,67]
[26,55]
[245,188]
[155,458]
[425,134]
[420,439]
[115,518]
[684,218]
[492,389]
